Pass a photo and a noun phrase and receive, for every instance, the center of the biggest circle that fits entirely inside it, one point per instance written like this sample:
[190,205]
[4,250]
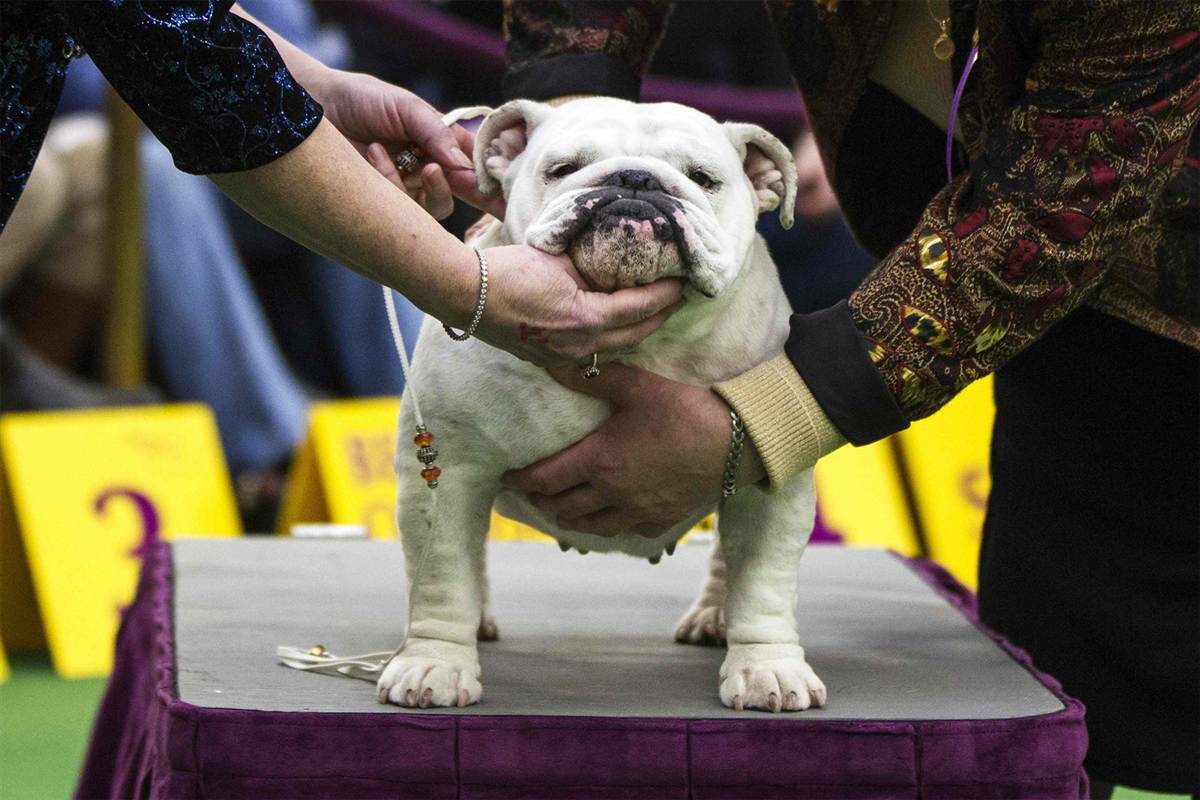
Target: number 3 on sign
[146,510]
[93,491]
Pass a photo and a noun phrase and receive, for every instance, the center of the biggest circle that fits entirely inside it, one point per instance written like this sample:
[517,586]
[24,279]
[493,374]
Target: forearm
[325,196]
[1072,183]
[1068,184]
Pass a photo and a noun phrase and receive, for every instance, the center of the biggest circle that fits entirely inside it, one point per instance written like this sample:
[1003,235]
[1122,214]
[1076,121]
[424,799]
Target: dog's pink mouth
[617,253]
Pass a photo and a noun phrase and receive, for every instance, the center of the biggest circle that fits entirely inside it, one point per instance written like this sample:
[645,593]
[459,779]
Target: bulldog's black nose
[636,179]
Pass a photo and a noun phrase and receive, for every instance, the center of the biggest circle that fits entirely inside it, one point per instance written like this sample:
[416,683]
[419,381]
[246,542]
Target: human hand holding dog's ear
[436,185]
[380,120]
[541,310]
[814,195]
[656,461]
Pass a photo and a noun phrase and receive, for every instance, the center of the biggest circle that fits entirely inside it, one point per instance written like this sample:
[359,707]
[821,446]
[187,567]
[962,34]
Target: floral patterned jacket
[1081,182]
[206,82]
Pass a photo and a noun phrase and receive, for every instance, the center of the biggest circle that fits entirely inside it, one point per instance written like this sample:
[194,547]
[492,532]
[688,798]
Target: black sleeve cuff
[573,73]
[831,356]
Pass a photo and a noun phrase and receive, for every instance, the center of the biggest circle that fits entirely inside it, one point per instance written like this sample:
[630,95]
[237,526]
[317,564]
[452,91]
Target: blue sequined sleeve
[210,85]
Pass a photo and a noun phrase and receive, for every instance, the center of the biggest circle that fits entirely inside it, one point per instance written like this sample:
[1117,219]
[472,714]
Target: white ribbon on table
[364,667]
[367,666]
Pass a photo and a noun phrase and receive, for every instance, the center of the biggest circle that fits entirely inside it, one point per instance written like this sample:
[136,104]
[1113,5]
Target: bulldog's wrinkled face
[634,193]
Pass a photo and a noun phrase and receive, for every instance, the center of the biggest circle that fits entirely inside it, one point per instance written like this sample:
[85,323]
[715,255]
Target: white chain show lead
[369,666]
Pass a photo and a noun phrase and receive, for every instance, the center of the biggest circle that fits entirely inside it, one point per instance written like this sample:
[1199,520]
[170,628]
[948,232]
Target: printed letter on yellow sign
[343,472]
[91,489]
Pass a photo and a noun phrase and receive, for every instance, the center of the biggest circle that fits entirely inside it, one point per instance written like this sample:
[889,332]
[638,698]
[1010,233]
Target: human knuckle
[611,466]
[572,351]
[624,339]
[644,310]
[588,319]
[532,483]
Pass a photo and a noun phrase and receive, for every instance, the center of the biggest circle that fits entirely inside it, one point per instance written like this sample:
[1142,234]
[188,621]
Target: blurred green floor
[45,722]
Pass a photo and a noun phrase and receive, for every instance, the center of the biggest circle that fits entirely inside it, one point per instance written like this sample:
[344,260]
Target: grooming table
[585,694]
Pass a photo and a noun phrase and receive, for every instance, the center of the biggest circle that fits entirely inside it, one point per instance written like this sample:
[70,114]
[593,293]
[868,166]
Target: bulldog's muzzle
[626,232]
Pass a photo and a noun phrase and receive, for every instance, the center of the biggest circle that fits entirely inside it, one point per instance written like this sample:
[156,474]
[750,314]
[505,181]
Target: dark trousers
[1091,546]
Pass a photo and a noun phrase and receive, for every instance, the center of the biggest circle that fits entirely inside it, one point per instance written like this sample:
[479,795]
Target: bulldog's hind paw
[488,631]
[702,625]
[430,673]
[770,677]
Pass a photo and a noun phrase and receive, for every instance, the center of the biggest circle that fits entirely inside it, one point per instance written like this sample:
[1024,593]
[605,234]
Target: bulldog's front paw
[428,673]
[702,625]
[770,677]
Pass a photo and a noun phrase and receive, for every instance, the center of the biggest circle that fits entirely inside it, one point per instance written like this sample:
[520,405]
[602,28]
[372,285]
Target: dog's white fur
[492,412]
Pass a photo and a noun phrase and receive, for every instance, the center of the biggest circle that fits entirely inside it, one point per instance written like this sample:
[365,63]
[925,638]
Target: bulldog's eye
[702,179]
[559,171]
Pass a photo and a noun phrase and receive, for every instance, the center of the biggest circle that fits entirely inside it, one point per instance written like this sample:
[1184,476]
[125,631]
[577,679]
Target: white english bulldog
[632,193]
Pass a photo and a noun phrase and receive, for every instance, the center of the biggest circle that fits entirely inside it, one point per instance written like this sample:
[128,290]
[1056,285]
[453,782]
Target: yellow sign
[90,490]
[4,670]
[925,487]
[343,472]
[861,497]
[947,459]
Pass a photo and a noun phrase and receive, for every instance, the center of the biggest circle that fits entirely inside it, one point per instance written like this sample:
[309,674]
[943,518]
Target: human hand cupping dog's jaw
[428,672]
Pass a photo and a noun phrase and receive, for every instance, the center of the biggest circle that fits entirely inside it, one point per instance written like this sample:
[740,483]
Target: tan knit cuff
[566,98]
[784,420]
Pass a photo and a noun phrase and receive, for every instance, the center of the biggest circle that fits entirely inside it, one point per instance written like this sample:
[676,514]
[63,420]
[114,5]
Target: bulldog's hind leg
[443,551]
[704,622]
[762,538]
[489,631]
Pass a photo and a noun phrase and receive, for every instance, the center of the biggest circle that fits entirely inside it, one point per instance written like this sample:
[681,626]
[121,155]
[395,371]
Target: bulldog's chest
[528,415]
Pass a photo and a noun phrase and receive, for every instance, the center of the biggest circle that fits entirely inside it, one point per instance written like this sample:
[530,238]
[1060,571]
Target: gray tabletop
[580,635]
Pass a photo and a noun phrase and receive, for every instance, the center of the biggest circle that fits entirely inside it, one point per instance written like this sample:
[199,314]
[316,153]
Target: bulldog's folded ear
[769,166]
[502,137]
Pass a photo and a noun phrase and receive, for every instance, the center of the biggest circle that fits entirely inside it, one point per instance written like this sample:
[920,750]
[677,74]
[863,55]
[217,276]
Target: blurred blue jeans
[210,339]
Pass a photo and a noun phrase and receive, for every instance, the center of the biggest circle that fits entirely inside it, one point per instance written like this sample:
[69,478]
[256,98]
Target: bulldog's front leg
[762,537]
[444,558]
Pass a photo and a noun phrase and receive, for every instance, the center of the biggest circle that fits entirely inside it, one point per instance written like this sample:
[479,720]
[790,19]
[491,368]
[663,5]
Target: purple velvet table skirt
[148,743]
